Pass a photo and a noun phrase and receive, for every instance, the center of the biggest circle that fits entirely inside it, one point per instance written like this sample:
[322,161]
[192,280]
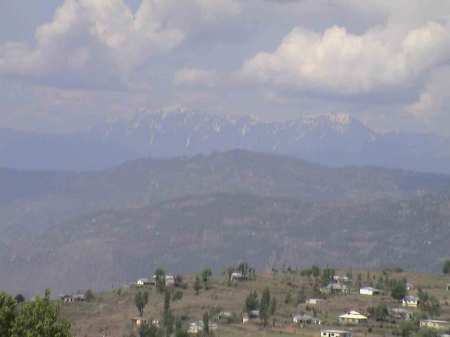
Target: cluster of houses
[340,286]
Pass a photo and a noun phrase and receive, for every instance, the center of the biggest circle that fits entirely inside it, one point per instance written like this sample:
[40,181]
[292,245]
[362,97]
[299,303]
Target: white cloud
[99,42]
[339,62]
[435,98]
[195,76]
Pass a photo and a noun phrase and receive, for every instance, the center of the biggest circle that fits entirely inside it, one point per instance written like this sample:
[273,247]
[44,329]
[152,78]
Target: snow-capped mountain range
[178,134]
[331,139]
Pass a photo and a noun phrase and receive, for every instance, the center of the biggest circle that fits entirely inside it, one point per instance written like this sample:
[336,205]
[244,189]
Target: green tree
[428,304]
[228,272]
[264,307]
[40,318]
[273,306]
[359,280]
[206,274]
[89,295]
[426,333]
[315,271]
[288,298]
[380,312]
[244,269]
[179,281]
[252,274]
[177,295]
[160,279]
[327,275]
[168,318]
[140,301]
[206,323]
[446,267]
[407,328]
[179,331]
[349,274]
[398,289]
[148,330]
[301,296]
[197,284]
[19,298]
[7,314]
[251,302]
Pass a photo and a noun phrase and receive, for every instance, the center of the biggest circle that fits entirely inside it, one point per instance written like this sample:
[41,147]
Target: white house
[335,333]
[314,301]
[369,291]
[352,318]
[142,282]
[435,324]
[138,321]
[306,320]
[336,288]
[73,298]
[410,301]
[170,280]
[236,276]
[197,327]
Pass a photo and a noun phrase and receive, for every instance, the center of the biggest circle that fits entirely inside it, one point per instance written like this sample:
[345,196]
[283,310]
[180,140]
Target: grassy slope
[110,313]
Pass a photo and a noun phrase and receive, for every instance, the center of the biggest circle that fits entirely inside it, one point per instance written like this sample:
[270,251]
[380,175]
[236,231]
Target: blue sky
[65,65]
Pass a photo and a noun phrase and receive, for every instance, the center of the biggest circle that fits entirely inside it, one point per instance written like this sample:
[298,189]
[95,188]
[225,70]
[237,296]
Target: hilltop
[110,313]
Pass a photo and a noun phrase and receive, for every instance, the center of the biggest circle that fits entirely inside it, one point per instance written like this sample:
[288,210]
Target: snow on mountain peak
[340,118]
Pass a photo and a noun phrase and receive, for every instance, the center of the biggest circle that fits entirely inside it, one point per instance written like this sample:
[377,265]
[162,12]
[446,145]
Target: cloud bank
[343,63]
[276,57]
[101,42]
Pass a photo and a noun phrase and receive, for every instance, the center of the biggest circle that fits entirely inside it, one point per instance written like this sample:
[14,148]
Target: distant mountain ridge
[330,139]
[183,133]
[72,230]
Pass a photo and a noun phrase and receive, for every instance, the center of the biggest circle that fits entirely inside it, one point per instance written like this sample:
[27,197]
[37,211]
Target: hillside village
[284,302]
[312,302]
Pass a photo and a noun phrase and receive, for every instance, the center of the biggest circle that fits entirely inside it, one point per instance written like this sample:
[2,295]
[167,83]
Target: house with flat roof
[303,320]
[352,318]
[143,282]
[369,291]
[138,321]
[435,324]
[314,301]
[335,333]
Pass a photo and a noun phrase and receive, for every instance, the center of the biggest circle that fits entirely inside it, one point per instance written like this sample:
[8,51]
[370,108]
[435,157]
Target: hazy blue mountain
[331,139]
[75,230]
[38,199]
[40,151]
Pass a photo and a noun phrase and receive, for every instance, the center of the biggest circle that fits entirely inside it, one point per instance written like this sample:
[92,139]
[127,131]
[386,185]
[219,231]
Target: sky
[67,65]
